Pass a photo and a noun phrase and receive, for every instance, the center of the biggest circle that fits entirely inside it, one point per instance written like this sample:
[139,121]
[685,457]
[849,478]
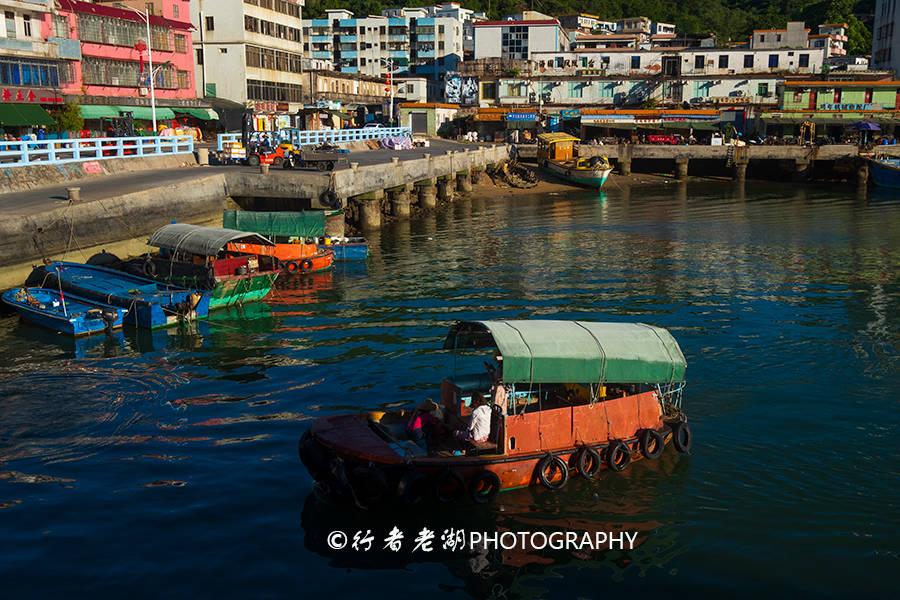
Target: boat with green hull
[558,155]
[235,267]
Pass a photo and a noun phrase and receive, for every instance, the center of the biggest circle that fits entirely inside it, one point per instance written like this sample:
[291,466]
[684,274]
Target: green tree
[68,118]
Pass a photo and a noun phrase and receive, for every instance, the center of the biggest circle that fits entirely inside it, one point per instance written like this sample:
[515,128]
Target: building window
[60,26]
[274,92]
[26,25]
[122,73]
[199,56]
[210,24]
[748,61]
[25,71]
[635,62]
[778,38]
[489,91]
[762,89]
[798,96]
[180,43]
[184,81]
[804,61]
[762,37]
[699,61]
[575,89]
[175,11]
[10,25]
[723,61]
[773,61]
[701,89]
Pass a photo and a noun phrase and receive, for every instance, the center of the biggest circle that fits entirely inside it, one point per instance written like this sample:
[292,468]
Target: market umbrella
[865,126]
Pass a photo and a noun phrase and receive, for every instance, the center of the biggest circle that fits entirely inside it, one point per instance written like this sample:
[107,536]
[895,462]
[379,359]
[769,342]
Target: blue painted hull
[885,173]
[68,314]
[149,303]
[353,250]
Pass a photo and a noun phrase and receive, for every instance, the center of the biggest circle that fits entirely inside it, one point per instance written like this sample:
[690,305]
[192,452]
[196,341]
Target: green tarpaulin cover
[541,351]
[204,114]
[146,113]
[310,223]
[24,115]
[98,111]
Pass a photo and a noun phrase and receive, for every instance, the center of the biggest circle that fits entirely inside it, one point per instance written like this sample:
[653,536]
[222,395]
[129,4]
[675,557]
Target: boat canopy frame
[203,241]
[557,351]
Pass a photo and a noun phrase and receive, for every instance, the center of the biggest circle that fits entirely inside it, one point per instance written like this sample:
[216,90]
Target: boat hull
[149,303]
[241,289]
[65,313]
[353,250]
[885,174]
[593,178]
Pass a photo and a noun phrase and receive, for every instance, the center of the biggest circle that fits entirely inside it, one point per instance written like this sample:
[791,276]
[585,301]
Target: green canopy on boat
[205,241]
[309,223]
[544,351]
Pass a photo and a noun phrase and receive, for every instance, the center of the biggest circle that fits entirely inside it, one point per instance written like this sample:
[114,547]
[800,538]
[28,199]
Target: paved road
[109,186]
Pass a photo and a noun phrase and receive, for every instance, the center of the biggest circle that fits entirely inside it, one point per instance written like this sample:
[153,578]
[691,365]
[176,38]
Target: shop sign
[570,113]
[521,117]
[851,107]
[34,96]
[262,106]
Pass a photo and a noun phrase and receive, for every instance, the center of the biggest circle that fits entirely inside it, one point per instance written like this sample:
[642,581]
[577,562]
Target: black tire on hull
[682,437]
[413,488]
[618,455]
[545,469]
[652,443]
[588,462]
[457,486]
[484,479]
[370,486]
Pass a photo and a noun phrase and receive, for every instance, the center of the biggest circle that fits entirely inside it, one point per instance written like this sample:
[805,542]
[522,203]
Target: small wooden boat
[557,155]
[289,229]
[576,396]
[235,267]
[149,303]
[885,171]
[66,313]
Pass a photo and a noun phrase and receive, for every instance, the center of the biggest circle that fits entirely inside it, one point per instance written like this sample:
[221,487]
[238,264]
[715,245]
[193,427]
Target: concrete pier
[399,202]
[739,170]
[444,190]
[802,168]
[464,182]
[427,193]
[681,168]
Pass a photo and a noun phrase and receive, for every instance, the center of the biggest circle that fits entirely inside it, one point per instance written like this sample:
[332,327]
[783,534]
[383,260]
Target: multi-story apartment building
[112,77]
[884,42]
[250,52]
[412,41]
[519,39]
[33,64]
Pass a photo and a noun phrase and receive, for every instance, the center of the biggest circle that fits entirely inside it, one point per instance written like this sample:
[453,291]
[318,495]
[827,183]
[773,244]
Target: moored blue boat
[66,313]
[149,303]
[885,171]
[355,248]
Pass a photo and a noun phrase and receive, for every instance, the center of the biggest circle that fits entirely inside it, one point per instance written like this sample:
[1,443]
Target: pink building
[113,72]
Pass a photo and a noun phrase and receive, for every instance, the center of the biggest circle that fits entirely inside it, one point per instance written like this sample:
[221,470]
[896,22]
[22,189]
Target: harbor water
[164,463]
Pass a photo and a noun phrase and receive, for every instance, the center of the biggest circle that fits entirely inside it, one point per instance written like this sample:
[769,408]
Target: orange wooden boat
[579,396]
[293,257]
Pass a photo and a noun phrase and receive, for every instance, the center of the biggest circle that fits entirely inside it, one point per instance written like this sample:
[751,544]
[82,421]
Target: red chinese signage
[33,96]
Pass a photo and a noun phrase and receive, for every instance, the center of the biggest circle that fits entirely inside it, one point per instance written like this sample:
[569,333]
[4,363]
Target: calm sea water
[164,464]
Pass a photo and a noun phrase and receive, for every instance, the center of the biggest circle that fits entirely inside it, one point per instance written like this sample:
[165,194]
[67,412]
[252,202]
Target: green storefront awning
[541,351]
[98,111]
[24,115]
[310,223]
[146,113]
[695,125]
[204,114]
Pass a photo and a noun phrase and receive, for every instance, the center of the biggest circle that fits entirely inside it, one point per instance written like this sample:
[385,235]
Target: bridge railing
[300,137]
[53,152]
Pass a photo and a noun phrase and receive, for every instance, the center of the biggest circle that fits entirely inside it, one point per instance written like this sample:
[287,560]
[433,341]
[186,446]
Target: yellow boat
[558,156]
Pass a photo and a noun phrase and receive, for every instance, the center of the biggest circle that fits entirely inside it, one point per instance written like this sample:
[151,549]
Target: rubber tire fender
[329,199]
[446,476]
[543,467]
[484,477]
[682,444]
[370,486]
[652,437]
[312,455]
[585,453]
[290,266]
[412,488]
[306,265]
[615,449]
[149,268]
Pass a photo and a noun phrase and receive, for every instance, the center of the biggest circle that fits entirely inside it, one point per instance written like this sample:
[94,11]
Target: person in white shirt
[480,424]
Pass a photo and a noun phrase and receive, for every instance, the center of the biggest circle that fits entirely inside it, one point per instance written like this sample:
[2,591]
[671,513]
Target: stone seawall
[16,179]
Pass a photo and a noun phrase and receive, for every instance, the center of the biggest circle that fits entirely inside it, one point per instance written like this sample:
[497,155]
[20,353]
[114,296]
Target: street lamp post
[390,69]
[145,17]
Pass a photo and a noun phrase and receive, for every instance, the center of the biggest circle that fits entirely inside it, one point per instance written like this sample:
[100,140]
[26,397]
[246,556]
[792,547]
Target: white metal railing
[300,137]
[14,154]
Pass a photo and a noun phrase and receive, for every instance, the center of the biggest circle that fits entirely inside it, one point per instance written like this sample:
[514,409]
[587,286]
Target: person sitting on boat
[480,424]
[498,392]
[423,424]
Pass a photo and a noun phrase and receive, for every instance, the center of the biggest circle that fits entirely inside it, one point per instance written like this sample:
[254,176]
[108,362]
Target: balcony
[320,39]
[348,38]
[425,37]
[425,53]
[349,54]
[349,70]
[398,53]
[397,37]
[321,54]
